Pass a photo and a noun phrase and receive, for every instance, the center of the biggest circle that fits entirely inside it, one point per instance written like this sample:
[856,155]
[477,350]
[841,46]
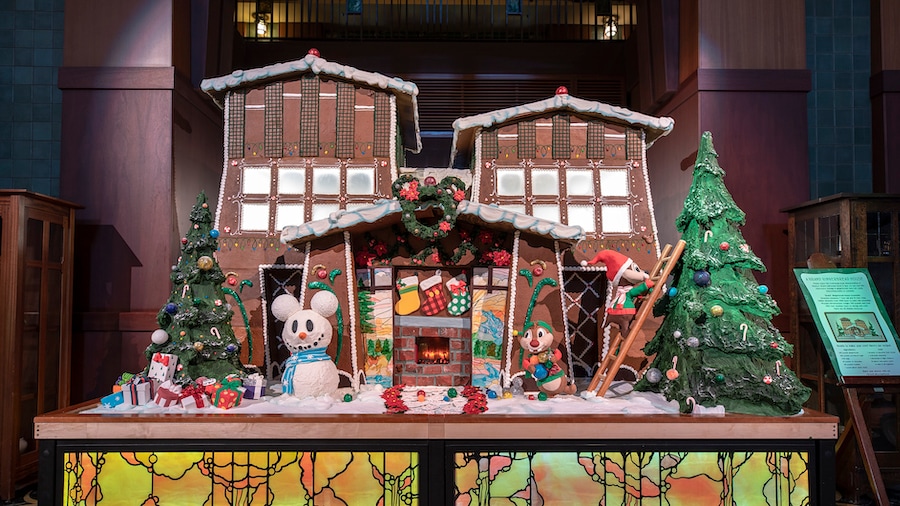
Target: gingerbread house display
[436,271]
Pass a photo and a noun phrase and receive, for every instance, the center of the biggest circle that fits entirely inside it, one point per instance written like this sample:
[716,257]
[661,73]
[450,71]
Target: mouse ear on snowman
[324,303]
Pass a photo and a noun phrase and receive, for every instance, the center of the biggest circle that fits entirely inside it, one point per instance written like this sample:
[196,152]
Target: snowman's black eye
[309,325]
[294,326]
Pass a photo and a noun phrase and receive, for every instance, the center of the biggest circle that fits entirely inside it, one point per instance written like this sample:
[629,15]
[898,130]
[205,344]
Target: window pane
[479,276]
[614,183]
[361,181]
[288,214]
[514,207]
[292,181]
[327,181]
[579,182]
[255,217]
[383,277]
[256,180]
[615,219]
[500,276]
[321,211]
[583,216]
[546,212]
[511,182]
[544,182]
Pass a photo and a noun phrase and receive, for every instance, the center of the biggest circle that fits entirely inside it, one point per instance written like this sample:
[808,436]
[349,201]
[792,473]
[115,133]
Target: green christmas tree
[717,344]
[196,320]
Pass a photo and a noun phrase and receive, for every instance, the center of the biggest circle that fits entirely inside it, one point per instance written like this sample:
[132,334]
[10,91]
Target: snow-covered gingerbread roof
[465,129]
[404,91]
[383,210]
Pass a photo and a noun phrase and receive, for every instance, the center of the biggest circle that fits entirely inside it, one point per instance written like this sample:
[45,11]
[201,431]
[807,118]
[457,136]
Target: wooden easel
[618,349]
[852,388]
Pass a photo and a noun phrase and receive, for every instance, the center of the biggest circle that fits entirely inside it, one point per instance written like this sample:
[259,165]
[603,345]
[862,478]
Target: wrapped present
[163,366]
[124,378]
[255,386]
[209,385]
[114,399]
[138,391]
[194,396]
[167,395]
[229,394]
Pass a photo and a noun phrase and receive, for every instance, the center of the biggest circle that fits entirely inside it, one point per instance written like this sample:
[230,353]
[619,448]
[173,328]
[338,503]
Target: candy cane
[692,401]
[778,367]
[707,235]
[672,373]
[214,331]
[744,327]
[184,291]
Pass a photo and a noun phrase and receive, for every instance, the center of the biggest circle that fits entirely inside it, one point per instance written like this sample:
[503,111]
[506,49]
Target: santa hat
[616,264]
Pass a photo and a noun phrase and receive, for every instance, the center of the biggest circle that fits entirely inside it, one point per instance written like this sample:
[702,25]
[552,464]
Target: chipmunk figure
[540,359]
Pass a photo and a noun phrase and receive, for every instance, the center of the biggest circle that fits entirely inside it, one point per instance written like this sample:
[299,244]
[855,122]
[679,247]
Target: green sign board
[851,319]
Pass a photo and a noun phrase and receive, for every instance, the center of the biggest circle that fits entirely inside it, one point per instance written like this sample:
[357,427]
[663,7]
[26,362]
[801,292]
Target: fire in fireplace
[432,350]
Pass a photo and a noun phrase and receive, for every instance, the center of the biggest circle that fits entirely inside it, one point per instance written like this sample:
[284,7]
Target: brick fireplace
[432,351]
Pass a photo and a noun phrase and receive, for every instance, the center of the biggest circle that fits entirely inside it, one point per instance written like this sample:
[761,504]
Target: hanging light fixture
[610,28]
[261,27]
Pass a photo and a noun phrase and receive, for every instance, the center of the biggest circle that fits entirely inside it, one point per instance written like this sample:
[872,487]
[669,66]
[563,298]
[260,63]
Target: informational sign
[852,321]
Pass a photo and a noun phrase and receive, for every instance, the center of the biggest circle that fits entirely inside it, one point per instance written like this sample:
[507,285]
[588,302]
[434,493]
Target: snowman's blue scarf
[300,357]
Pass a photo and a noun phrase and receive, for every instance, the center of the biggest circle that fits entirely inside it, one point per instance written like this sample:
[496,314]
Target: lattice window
[274,120]
[277,280]
[595,133]
[490,145]
[634,144]
[309,116]
[236,122]
[586,296]
[382,148]
[527,141]
[562,145]
[346,114]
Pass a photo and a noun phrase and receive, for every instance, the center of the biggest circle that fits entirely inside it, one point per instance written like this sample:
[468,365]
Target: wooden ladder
[619,349]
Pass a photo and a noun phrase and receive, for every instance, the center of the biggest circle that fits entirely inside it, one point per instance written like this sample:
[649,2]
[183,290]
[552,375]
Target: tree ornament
[214,233]
[218,302]
[205,205]
[653,375]
[672,373]
[430,180]
[701,278]
[313,51]
[231,348]
[716,311]
[720,378]
[184,240]
[542,396]
[562,90]
[676,334]
[232,281]
[763,289]
[205,263]
[171,308]
[745,248]
[693,342]
[767,379]
[724,246]
[773,345]
[198,345]
[159,336]
[348,397]
[182,333]
[673,291]
[452,393]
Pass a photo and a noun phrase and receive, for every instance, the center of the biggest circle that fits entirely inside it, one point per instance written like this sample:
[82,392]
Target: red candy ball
[184,240]
[232,280]
[430,181]
[562,90]
[537,271]
[724,246]
[321,274]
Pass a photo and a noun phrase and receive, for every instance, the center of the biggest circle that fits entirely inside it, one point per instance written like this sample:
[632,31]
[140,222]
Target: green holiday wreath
[413,195]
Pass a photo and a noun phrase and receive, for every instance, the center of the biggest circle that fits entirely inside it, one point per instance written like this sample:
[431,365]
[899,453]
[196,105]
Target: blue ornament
[540,372]
[171,308]
[491,394]
[214,233]
[701,278]
[672,291]
[763,289]
[231,348]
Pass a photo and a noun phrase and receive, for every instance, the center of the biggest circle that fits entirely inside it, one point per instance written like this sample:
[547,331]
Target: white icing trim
[513,270]
[649,196]
[351,276]
[224,168]
[393,140]
[476,181]
[305,275]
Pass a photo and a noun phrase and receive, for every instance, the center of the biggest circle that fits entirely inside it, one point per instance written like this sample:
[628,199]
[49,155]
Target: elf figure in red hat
[627,282]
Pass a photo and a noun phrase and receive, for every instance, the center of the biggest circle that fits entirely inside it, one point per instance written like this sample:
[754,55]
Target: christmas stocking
[435,299]
[460,299]
[408,288]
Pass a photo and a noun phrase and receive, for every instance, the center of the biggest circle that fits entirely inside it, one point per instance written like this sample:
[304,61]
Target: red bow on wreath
[162,359]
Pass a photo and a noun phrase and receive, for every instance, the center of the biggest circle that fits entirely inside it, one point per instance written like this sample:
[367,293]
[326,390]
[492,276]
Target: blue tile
[825,62]
[6,56]
[825,118]
[21,167]
[823,26]
[24,56]
[24,38]
[40,168]
[7,38]
[861,98]
[5,182]
[40,94]
[843,135]
[825,188]
[43,21]
[843,117]
[23,75]
[843,44]
[825,136]
[825,153]
[843,80]
[843,155]
[5,132]
[863,115]
[40,130]
[861,44]
[43,5]
[44,75]
[824,80]
[25,5]
[45,58]
[862,153]
[844,186]
[824,99]
[22,111]
[43,39]
[43,185]
[824,44]
[22,93]
[861,80]
[843,99]
[824,7]
[42,112]
[862,62]
[861,25]
[842,8]
[863,135]
[861,8]
[843,62]
[24,20]
[6,163]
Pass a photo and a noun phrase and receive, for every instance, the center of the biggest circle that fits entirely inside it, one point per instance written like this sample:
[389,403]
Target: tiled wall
[838,51]
[31,38]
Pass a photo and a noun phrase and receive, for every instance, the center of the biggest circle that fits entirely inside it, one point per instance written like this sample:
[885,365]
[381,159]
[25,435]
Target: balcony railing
[544,20]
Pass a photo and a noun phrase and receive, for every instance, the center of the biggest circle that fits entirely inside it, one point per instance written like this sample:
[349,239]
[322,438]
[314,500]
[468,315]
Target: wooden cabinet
[847,230]
[36,256]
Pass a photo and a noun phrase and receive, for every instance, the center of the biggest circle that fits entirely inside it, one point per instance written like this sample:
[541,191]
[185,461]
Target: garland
[412,195]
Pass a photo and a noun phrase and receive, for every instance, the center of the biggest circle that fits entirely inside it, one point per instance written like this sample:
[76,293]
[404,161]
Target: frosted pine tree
[717,345]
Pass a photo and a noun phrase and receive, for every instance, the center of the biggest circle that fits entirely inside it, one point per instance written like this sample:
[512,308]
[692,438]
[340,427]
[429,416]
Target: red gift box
[229,394]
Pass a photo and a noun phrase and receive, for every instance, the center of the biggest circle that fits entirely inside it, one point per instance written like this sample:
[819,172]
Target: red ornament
[724,246]
[538,270]
[774,345]
[313,51]
[232,280]
[767,379]
[562,90]
[321,274]
[431,181]
[184,240]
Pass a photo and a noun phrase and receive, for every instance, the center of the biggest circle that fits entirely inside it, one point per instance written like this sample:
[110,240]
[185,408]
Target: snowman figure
[310,371]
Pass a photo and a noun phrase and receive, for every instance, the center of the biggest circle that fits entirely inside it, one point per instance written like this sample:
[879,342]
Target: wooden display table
[434,459]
